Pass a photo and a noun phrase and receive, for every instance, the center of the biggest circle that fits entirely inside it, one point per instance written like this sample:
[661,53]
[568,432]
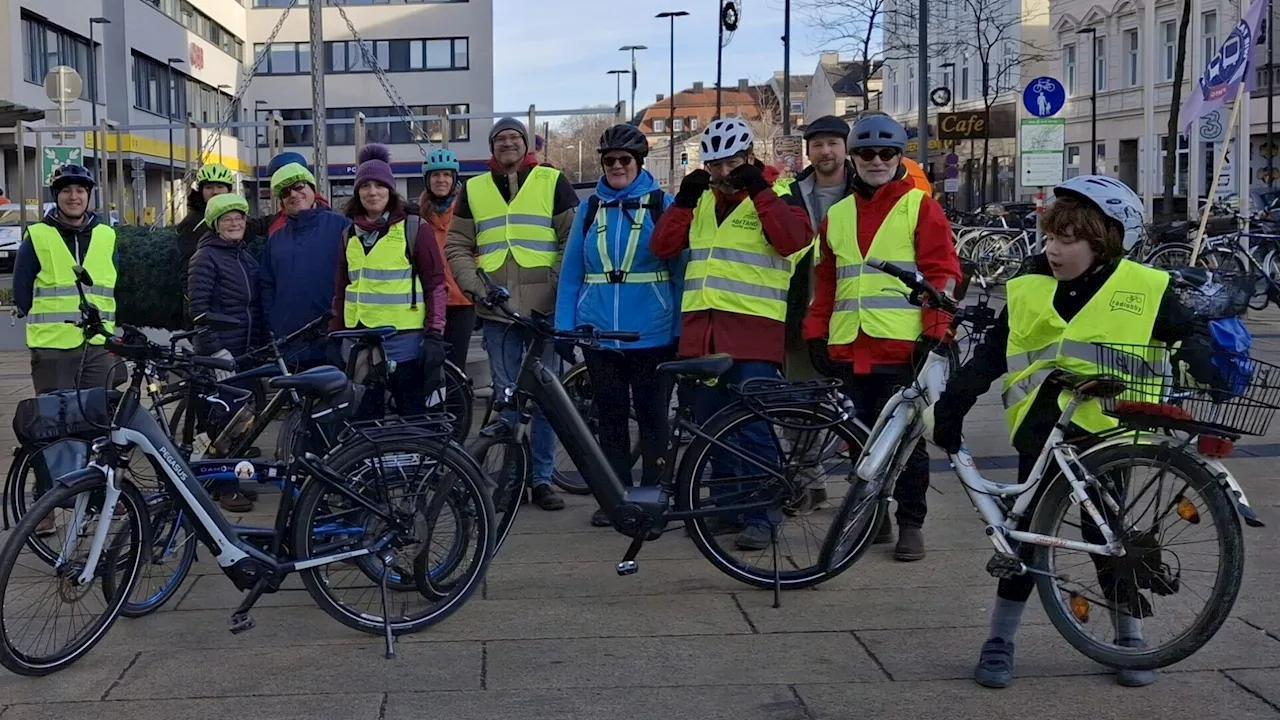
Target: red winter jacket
[786,227]
[935,258]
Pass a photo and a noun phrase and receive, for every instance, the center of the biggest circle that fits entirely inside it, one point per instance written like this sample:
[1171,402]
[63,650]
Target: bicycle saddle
[376,333]
[322,382]
[702,368]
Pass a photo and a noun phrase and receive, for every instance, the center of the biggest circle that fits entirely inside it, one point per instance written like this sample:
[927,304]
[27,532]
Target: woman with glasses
[609,279]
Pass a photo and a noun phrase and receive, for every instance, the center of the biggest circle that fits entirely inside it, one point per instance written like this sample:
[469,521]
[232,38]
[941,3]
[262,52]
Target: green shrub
[6,296]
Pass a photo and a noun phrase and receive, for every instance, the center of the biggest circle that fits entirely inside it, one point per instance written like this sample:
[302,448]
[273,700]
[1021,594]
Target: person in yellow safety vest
[512,222]
[44,286]
[860,329]
[1064,301]
[391,273]
[743,235]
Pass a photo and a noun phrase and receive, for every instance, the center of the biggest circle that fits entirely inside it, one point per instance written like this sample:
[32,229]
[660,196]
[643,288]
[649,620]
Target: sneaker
[910,545]
[235,502]
[1134,678]
[600,518]
[884,533]
[546,497]
[46,527]
[995,664]
[754,537]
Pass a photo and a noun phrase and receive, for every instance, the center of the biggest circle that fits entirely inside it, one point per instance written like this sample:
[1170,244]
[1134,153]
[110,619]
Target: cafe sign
[974,125]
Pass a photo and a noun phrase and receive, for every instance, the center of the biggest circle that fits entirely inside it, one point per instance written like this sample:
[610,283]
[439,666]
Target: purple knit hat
[375,165]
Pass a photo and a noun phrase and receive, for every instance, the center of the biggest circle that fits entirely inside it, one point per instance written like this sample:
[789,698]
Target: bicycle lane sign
[1044,97]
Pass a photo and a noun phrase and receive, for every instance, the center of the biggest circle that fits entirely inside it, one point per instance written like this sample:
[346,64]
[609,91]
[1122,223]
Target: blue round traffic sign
[1044,96]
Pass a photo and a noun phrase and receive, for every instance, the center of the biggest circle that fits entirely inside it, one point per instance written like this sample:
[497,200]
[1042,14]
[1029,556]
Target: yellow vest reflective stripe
[55,298]
[380,284]
[622,273]
[522,228]
[867,300]
[1122,312]
[731,265]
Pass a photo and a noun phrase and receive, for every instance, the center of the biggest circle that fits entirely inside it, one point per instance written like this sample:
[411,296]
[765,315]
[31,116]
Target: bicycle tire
[459,399]
[468,478]
[1056,500]
[172,522]
[82,481]
[519,460]
[577,383]
[696,456]
[1169,255]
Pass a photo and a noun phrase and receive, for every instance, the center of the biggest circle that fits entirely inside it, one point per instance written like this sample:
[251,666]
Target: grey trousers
[57,369]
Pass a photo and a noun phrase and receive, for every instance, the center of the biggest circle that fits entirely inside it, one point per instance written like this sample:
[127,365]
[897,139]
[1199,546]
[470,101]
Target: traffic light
[684,158]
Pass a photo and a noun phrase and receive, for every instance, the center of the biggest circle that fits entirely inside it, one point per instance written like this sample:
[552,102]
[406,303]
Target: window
[797,108]
[1101,153]
[1073,161]
[911,87]
[348,56]
[284,58]
[197,22]
[173,94]
[1209,35]
[1181,162]
[1100,63]
[964,82]
[949,77]
[46,46]
[297,135]
[1131,58]
[693,123]
[677,125]
[659,125]
[1169,31]
[1069,67]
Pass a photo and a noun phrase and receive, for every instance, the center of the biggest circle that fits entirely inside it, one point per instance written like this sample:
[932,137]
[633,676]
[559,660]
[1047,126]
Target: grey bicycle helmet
[877,131]
[1115,199]
[624,137]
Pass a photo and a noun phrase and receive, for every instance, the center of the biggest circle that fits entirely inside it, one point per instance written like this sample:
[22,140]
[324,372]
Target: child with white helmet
[1061,303]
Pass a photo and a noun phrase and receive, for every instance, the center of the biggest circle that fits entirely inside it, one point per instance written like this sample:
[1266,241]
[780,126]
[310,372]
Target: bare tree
[852,26]
[1175,103]
[766,124]
[567,134]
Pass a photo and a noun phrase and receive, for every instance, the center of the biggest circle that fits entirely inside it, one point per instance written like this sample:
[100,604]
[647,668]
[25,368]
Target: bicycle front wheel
[508,465]
[577,383]
[1181,571]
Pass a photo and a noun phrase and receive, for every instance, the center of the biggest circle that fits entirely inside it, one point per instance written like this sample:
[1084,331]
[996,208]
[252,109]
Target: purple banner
[1233,64]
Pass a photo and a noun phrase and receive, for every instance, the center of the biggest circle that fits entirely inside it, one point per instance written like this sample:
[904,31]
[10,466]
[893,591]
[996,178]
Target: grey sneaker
[754,537]
[1134,678]
[995,664]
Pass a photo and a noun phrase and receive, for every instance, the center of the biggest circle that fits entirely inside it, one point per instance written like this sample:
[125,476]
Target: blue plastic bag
[1231,345]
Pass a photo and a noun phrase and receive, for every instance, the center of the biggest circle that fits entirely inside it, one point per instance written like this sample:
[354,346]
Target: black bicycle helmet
[624,137]
[65,175]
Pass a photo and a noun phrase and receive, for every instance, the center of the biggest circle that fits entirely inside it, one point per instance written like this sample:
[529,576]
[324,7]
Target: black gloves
[819,357]
[433,349]
[566,352]
[692,187]
[749,178]
[948,426]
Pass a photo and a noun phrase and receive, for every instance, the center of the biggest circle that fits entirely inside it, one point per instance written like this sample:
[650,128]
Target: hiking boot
[884,533]
[546,497]
[1133,678]
[235,502]
[995,664]
[600,518]
[910,545]
[754,537]
[46,527]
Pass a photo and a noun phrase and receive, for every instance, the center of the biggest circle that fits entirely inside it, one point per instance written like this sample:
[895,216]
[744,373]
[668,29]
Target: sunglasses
[296,187]
[869,154]
[620,160]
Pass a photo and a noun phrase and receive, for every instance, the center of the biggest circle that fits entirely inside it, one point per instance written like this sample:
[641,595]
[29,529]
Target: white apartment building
[1128,50]
[437,54]
[1014,39]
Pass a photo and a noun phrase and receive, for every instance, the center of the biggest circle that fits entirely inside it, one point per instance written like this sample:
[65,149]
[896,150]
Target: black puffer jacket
[223,279]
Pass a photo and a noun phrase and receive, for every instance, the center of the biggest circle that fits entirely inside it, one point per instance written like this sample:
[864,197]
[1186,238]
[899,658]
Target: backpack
[652,202]
[1231,342]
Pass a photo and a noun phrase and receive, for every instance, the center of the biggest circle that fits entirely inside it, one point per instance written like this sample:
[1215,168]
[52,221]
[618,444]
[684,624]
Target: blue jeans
[506,346]
[753,438]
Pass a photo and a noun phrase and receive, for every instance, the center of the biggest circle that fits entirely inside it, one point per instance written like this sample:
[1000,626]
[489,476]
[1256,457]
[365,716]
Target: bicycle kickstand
[241,620]
[386,618]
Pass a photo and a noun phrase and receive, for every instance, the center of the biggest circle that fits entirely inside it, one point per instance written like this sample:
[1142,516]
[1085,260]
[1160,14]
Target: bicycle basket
[60,414]
[1224,295]
[1159,395]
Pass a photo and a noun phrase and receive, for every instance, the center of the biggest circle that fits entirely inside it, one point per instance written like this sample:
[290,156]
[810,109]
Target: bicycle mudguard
[1212,466]
[81,476]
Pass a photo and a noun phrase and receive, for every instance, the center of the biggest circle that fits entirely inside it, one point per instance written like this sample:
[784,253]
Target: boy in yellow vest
[1061,299]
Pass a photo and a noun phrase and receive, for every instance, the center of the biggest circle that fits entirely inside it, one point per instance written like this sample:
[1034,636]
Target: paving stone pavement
[555,633]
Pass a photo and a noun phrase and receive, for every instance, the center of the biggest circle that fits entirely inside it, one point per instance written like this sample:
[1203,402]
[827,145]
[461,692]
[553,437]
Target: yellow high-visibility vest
[867,300]
[56,299]
[381,283]
[1123,312]
[522,228]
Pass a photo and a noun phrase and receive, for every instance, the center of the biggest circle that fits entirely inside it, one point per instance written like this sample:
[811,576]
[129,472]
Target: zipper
[617,253]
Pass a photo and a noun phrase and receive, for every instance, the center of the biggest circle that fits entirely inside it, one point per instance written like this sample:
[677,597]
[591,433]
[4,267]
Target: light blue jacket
[651,309]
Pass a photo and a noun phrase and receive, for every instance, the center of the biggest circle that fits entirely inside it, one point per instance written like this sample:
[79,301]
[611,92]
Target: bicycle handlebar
[916,282]
[581,335]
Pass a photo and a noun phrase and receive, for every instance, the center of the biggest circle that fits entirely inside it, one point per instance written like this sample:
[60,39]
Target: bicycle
[385,536]
[766,486]
[1152,433]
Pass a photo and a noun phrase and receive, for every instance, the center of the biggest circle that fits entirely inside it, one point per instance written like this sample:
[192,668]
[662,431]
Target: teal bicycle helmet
[441,159]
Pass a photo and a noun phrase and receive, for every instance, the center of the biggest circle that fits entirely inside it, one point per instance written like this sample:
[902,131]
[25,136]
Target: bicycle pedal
[628,567]
[1003,566]
[241,622]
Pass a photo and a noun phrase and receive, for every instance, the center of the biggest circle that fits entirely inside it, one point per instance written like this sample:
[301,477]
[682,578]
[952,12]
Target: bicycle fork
[111,496]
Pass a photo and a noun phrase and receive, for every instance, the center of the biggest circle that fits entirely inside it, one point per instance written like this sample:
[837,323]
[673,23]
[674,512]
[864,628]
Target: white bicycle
[1136,550]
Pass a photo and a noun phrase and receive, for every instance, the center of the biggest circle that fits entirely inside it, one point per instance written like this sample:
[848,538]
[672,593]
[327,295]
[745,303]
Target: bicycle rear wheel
[577,383]
[458,399]
[1140,590]
[508,465]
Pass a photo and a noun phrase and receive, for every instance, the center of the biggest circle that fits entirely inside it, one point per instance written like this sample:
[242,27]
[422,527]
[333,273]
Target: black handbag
[62,414]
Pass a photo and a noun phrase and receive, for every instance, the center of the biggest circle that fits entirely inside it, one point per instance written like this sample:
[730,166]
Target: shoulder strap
[593,206]
[411,224]
[654,204]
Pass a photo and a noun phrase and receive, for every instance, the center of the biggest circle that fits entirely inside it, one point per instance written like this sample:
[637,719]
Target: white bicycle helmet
[725,138]
[1115,199]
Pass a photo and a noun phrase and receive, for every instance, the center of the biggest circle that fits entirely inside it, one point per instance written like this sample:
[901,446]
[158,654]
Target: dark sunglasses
[869,154]
[620,160]
[296,187]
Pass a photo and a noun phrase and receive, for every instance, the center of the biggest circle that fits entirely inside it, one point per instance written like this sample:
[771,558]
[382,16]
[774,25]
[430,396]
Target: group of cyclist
[739,261]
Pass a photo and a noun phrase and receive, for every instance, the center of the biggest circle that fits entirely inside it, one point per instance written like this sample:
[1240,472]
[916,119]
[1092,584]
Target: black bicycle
[799,430]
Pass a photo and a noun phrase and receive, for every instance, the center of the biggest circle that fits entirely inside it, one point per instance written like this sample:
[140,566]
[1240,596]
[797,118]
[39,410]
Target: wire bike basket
[1160,394]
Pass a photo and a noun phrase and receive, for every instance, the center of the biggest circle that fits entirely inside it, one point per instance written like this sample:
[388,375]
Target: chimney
[697,87]
[829,58]
[660,96]
[744,85]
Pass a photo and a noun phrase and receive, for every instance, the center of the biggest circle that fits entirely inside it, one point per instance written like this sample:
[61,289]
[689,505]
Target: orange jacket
[917,174]
[440,223]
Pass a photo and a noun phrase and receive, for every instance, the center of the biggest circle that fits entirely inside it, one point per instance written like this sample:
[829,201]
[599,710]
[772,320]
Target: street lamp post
[257,153]
[579,148]
[169,111]
[1093,99]
[93,101]
[786,68]
[719,54]
[671,122]
[631,111]
[617,75]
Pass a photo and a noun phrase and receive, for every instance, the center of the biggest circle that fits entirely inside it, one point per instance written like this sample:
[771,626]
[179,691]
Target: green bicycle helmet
[215,173]
[220,205]
[441,159]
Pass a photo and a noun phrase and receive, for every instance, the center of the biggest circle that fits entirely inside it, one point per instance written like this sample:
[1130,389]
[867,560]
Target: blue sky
[555,53]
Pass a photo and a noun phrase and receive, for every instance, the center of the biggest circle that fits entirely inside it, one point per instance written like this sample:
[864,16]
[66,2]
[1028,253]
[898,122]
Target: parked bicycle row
[781,483]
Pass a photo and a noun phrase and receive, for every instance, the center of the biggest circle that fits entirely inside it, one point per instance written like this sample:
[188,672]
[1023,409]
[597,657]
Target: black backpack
[652,203]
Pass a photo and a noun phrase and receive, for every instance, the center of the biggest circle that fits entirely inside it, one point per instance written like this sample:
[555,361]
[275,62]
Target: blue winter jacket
[297,273]
[651,309]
